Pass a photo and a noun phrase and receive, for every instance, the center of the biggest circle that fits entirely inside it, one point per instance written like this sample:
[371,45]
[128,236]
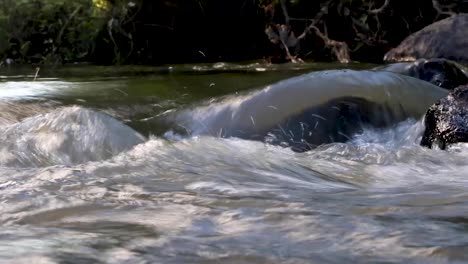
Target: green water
[136,93]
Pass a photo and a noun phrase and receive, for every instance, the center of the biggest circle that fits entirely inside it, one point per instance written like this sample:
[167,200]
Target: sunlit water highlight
[119,197]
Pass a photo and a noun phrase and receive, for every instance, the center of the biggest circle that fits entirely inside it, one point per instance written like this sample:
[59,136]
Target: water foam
[70,135]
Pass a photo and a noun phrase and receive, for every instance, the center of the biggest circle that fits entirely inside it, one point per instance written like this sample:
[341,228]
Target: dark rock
[447,120]
[441,72]
[447,38]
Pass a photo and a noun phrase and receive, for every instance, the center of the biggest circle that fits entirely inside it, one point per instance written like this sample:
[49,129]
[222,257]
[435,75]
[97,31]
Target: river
[78,186]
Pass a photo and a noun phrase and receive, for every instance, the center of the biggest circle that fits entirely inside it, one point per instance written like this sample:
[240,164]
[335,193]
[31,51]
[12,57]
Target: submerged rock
[447,120]
[441,72]
[447,38]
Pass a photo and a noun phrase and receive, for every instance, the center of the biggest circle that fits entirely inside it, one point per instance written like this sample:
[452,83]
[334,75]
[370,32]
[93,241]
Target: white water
[77,186]
[211,199]
[66,136]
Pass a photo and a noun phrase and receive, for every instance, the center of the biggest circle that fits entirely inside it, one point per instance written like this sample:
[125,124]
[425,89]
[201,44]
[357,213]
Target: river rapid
[88,175]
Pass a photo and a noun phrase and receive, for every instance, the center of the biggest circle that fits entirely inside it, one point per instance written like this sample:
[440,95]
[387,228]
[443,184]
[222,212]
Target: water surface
[78,186]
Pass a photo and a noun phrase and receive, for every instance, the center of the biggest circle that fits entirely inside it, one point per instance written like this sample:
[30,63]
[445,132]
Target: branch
[284,32]
[339,48]
[380,9]
[285,12]
[291,58]
[110,25]
[281,36]
[58,40]
[440,8]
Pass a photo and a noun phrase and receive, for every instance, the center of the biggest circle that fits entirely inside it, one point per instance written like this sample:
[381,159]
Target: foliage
[168,31]
[48,31]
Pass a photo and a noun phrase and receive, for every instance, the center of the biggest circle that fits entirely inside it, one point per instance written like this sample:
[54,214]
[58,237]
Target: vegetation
[153,32]
[52,31]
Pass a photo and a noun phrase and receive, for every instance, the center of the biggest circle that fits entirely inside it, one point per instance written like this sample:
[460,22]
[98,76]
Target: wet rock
[447,38]
[441,72]
[447,120]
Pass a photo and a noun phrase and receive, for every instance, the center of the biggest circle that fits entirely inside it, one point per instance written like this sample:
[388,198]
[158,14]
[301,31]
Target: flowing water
[88,176]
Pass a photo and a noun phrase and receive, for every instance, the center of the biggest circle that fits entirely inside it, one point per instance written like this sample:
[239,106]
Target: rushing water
[78,186]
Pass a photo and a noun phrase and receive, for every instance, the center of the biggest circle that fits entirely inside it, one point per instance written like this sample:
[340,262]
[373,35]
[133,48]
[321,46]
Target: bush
[48,31]
[169,31]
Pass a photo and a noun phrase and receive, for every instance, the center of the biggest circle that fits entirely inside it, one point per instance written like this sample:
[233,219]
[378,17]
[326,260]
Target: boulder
[447,120]
[441,72]
[447,38]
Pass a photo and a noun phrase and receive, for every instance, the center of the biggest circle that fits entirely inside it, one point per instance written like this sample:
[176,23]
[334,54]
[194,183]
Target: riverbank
[160,32]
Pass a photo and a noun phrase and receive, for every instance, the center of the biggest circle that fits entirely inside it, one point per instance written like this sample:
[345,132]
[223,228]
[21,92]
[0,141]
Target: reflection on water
[380,198]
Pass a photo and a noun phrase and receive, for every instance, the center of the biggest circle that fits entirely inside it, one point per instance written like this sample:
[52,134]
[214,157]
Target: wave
[70,135]
[313,109]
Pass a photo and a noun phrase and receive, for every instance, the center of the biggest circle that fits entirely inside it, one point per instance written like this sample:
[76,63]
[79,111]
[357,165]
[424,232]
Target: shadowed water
[80,186]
